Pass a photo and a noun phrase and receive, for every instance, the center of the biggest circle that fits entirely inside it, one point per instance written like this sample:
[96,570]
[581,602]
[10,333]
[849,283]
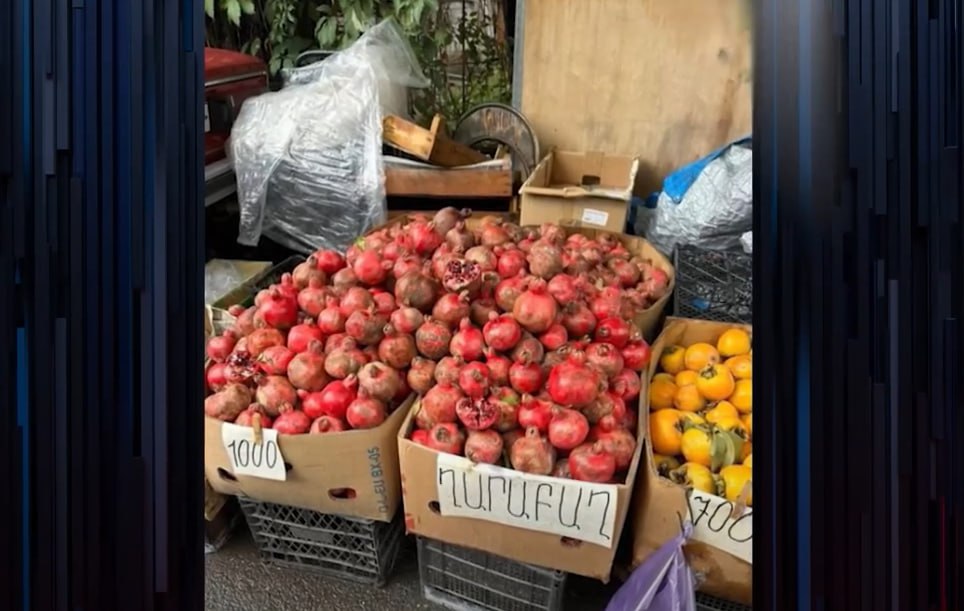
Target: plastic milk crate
[714,285]
[351,548]
[463,579]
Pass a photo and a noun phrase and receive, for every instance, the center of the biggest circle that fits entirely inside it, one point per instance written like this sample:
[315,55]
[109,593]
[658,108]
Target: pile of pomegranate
[518,340]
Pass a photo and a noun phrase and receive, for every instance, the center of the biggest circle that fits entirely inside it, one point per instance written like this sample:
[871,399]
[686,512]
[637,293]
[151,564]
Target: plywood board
[666,80]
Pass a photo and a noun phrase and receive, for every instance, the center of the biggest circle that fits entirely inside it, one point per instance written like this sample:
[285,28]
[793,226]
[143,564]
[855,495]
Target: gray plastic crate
[351,548]
[705,602]
[712,285]
[469,580]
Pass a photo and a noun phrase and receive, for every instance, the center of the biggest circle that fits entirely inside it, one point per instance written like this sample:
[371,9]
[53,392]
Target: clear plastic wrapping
[308,158]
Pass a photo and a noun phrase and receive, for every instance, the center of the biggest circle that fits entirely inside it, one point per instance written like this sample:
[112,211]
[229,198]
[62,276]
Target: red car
[230,78]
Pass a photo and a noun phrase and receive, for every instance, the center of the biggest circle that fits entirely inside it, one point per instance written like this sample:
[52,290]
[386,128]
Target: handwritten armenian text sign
[568,508]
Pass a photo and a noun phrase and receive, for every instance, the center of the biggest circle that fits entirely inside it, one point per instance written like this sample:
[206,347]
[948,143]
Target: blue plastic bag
[663,582]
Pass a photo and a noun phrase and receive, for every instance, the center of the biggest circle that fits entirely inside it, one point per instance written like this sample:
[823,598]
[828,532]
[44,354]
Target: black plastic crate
[459,578]
[714,285]
[705,602]
[351,548]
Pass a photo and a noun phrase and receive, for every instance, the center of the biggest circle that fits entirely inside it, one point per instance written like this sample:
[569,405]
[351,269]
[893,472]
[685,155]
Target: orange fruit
[665,464]
[666,431]
[665,376]
[671,361]
[693,417]
[742,397]
[746,453]
[733,342]
[661,394]
[722,409]
[735,477]
[700,355]
[715,382]
[696,476]
[689,399]
[732,424]
[696,446]
[740,366]
[686,377]
[748,425]
[748,461]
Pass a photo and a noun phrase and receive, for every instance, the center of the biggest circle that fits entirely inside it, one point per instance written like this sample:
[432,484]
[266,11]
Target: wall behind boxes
[667,81]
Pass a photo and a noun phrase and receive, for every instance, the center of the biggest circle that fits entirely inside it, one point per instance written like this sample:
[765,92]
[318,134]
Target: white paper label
[714,524]
[578,510]
[255,459]
[595,217]
[207,119]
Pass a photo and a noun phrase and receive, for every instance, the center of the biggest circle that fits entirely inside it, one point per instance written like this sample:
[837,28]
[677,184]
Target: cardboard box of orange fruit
[699,453]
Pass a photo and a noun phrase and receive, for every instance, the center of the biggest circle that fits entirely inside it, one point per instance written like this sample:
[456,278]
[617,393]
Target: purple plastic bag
[663,582]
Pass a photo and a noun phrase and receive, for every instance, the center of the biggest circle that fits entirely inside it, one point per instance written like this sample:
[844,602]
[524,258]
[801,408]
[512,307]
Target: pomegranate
[462,275]
[618,442]
[240,368]
[627,274]
[326,424]
[507,400]
[636,354]
[567,429]
[481,309]
[228,403]
[331,319]
[591,463]
[608,410]
[528,350]
[498,367]
[446,437]
[299,336]
[573,384]
[254,416]
[553,234]
[477,414]
[607,303]
[355,299]
[345,361]
[329,261]
[483,446]
[626,384]
[339,341]
[405,264]
[545,259]
[535,413]
[274,360]
[291,421]
[425,239]
[378,381]
[561,469]
[220,346]
[366,412]
[459,237]
[613,330]
[417,290]
[578,319]
[216,376]
[384,302]
[448,217]
[565,289]
[279,310]
[420,436]
[333,400]
[244,320]
[287,287]
[493,233]
[421,375]
[344,279]
[525,377]
[307,369]
[451,308]
[396,349]
[510,437]
[447,370]
[511,262]
[261,339]
[406,319]
[370,269]
[532,454]
[307,271]
[433,338]
[507,291]
[555,337]
[366,327]
[501,332]
[604,357]
[483,257]
[438,405]
[535,309]
[275,391]
[474,379]
[467,342]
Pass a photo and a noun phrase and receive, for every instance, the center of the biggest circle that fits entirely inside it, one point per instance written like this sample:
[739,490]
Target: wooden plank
[666,81]
[431,145]
[428,182]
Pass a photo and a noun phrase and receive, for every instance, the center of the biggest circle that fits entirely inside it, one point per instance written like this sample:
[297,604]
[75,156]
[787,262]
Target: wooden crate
[431,145]
[491,180]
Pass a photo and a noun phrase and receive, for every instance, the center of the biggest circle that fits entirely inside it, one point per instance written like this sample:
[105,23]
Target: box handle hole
[342,493]
[590,180]
[226,475]
[434,507]
[570,542]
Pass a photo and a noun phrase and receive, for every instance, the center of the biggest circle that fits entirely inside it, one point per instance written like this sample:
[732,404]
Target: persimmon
[689,399]
[742,397]
[740,366]
[661,394]
[733,342]
[734,478]
[696,476]
[672,359]
[699,355]
[666,431]
[715,382]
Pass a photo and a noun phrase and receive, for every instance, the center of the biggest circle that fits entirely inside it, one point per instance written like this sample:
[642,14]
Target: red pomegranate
[452,308]
[216,376]
[532,453]
[483,446]
[303,334]
[483,256]
[420,436]
[417,290]
[508,290]
[613,330]
[228,403]
[307,369]
[526,377]
[438,406]
[356,298]
[254,416]
[329,261]
[618,442]
[365,412]
[406,319]
[462,275]
[275,391]
[421,375]
[578,319]
[291,421]
[378,381]
[432,339]
[555,337]
[528,350]
[474,379]
[567,429]
[307,271]
[591,463]
[507,400]
[459,237]
[535,309]
[511,262]
[279,310]
[345,361]
[573,384]
[477,414]
[561,469]
[333,400]
[636,354]
[425,239]
[535,413]
[274,360]
[498,367]
[220,346]
[545,259]
[396,349]
[626,384]
[366,327]
[326,424]
[447,370]
[331,320]
[565,289]
[370,269]
[384,302]
[604,357]
[467,342]
[446,437]
[261,339]
[501,332]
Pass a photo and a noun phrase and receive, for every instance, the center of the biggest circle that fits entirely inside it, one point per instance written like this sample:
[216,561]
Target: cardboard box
[581,189]
[648,320]
[240,274]
[425,472]
[353,474]
[221,517]
[661,505]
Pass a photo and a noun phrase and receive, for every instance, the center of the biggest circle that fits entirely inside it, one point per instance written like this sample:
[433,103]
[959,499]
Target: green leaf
[233,10]
[326,32]
[209,8]
[247,7]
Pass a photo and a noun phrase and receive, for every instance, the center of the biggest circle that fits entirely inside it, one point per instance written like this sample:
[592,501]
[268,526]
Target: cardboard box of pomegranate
[352,473]
[551,522]
[721,546]
[647,320]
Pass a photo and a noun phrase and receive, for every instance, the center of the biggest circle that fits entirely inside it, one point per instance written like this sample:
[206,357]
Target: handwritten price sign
[714,523]
[249,457]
